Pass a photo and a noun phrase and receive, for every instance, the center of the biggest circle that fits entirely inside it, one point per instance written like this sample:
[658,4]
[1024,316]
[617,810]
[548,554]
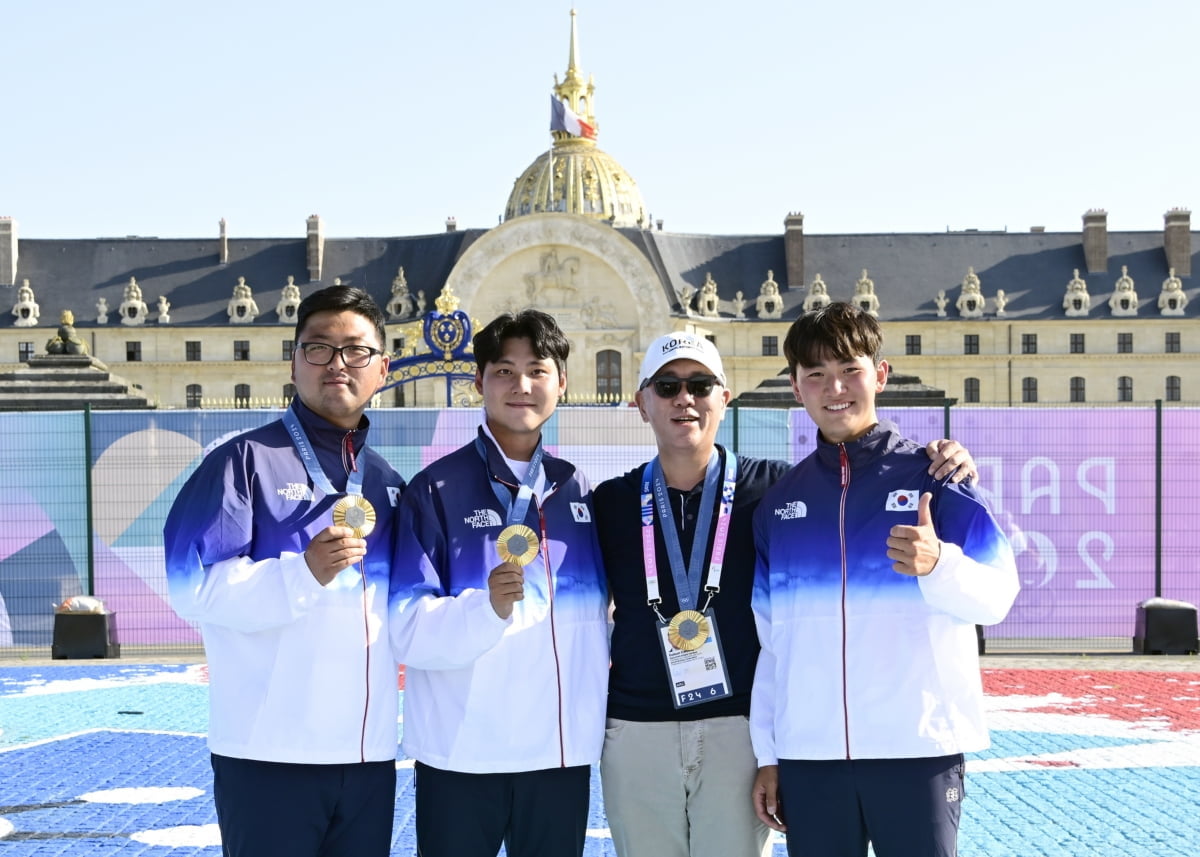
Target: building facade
[990,317]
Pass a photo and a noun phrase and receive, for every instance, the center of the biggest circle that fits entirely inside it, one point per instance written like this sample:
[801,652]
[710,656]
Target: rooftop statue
[970,301]
[769,304]
[241,308]
[1124,300]
[1172,299]
[133,309]
[818,295]
[864,295]
[289,301]
[25,309]
[709,302]
[1077,301]
[401,305]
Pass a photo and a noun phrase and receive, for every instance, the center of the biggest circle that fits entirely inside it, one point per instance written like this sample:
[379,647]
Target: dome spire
[574,176]
[577,95]
[572,69]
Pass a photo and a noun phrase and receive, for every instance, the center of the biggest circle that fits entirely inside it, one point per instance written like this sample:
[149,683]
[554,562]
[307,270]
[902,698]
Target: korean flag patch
[902,501]
[579,511]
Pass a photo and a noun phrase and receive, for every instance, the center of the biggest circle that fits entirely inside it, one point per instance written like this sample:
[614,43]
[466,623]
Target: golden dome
[578,178]
[575,176]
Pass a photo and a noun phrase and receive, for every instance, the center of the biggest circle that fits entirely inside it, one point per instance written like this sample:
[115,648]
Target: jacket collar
[883,437]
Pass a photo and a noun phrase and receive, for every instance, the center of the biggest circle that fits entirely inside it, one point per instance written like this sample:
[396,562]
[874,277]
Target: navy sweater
[638,687]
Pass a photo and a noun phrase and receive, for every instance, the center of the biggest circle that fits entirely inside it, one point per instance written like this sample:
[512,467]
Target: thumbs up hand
[915,550]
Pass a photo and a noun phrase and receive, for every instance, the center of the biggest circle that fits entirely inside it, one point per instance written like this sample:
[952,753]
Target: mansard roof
[908,270]
[74,274]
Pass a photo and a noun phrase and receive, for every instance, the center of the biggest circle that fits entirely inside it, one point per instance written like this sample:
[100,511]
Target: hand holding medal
[517,545]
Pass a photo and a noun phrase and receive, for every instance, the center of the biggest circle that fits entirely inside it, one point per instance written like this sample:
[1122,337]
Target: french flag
[563,118]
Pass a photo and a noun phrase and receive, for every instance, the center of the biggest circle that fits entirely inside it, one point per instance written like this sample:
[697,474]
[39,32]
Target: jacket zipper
[350,462]
[562,741]
[562,751]
[844,461]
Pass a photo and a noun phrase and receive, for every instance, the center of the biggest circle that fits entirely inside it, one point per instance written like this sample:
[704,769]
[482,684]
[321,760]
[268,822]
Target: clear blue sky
[159,118]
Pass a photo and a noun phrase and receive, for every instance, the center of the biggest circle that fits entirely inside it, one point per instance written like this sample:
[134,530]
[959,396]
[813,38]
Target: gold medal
[688,630]
[517,544]
[357,513]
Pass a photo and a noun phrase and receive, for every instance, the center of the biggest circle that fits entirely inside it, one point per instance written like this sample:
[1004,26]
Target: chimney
[451,224]
[316,248]
[8,251]
[223,246]
[793,249]
[1095,240]
[1177,240]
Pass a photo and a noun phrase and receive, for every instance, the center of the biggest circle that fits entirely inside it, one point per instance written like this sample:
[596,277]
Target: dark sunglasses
[699,386]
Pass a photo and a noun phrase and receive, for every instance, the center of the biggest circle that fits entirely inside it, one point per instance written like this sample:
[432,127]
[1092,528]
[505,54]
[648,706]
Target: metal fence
[1099,503]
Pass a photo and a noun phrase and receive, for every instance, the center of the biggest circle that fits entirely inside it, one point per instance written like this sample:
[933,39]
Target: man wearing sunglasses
[677,767]
[279,547]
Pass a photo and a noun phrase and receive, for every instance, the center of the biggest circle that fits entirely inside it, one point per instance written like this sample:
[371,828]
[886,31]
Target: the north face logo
[794,509]
[295,491]
[483,518]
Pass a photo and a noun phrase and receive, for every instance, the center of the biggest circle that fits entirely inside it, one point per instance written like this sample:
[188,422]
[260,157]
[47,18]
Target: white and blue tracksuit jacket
[485,694]
[298,672]
[858,660]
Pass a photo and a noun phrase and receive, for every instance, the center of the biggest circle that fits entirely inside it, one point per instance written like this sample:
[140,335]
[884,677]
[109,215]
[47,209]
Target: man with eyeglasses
[279,547]
[677,767]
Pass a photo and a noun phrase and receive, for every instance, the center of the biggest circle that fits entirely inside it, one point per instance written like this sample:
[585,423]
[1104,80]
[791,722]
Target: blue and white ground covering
[103,758]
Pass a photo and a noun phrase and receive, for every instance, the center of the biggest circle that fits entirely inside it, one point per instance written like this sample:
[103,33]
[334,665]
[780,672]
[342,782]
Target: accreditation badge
[691,648]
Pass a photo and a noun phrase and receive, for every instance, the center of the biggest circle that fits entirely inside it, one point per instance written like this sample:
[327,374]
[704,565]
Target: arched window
[1174,389]
[195,395]
[971,390]
[1029,389]
[1078,390]
[241,396]
[608,376]
[1124,389]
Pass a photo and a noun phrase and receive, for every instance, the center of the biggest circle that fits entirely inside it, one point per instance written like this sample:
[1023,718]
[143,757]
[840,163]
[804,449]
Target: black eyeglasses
[354,356]
[667,386]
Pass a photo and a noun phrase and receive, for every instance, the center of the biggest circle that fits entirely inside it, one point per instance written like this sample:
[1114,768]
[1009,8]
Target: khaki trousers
[681,789]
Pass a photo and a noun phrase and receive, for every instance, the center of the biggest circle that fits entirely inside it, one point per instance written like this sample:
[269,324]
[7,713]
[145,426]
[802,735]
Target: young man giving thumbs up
[870,576]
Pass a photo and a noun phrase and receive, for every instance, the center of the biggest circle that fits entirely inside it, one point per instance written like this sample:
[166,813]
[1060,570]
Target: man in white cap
[677,767]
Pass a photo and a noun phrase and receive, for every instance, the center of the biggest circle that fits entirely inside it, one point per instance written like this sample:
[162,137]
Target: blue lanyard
[654,494]
[308,456]
[515,508]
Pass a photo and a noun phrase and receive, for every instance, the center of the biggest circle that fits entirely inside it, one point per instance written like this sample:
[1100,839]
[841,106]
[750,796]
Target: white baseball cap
[680,346]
